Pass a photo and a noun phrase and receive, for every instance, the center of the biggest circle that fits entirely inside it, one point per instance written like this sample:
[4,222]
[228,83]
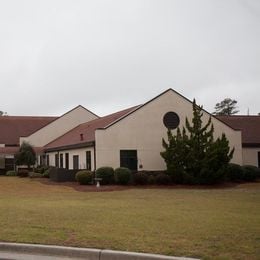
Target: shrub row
[43,172]
[239,173]
[122,176]
[11,173]
[107,175]
[144,178]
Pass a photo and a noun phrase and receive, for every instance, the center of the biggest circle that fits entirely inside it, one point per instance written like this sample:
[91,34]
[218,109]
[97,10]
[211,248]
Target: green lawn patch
[221,223]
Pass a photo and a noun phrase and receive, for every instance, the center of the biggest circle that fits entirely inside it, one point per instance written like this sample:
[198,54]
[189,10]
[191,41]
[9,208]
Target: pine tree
[199,142]
[26,155]
[227,107]
[193,156]
[175,154]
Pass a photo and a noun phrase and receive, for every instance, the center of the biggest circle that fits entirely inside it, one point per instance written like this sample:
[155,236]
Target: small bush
[35,175]
[140,178]
[84,177]
[39,169]
[23,173]
[151,180]
[209,176]
[250,172]
[122,175]
[163,179]
[235,172]
[11,173]
[106,174]
[46,174]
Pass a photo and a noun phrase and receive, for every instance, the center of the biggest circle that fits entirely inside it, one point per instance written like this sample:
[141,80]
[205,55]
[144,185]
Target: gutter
[70,147]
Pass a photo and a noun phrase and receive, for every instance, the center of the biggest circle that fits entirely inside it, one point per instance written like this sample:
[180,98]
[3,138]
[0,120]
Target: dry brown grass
[217,223]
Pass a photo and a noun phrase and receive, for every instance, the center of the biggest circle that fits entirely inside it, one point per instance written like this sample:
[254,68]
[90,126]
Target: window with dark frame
[61,160]
[47,160]
[75,162]
[67,160]
[56,160]
[41,160]
[88,160]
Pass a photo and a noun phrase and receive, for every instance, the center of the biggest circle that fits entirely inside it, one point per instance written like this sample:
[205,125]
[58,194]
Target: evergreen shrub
[39,169]
[235,172]
[163,179]
[151,180]
[11,173]
[84,177]
[106,174]
[46,173]
[250,172]
[23,173]
[141,178]
[35,175]
[122,175]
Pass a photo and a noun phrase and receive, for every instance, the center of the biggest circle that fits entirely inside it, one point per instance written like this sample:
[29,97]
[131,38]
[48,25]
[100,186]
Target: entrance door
[128,159]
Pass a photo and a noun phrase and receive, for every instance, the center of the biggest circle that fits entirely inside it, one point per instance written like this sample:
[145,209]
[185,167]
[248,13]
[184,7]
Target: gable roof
[151,100]
[84,134]
[56,118]
[249,125]
[87,130]
[13,127]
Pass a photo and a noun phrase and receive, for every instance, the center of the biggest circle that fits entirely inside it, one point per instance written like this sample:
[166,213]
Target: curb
[79,253]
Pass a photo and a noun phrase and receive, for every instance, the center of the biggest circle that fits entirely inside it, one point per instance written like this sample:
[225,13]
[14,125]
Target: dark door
[128,159]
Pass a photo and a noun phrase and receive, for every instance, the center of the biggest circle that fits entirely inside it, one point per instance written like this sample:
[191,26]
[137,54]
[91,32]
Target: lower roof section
[70,147]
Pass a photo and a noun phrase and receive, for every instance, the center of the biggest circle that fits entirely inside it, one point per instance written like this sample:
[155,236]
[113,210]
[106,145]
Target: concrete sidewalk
[16,251]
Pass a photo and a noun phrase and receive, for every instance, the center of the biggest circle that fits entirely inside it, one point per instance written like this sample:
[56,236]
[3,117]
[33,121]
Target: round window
[171,120]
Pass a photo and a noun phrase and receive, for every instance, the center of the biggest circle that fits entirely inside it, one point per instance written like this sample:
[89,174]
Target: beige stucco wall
[250,156]
[59,127]
[143,130]
[80,152]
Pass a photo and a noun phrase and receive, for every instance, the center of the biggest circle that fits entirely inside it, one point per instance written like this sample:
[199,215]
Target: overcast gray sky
[108,55]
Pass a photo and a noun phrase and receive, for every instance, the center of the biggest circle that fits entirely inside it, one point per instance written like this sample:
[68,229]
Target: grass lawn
[221,223]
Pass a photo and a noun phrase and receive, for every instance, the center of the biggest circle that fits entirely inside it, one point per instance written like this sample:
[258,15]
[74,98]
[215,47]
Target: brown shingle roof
[85,133]
[9,150]
[250,126]
[13,127]
[15,149]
